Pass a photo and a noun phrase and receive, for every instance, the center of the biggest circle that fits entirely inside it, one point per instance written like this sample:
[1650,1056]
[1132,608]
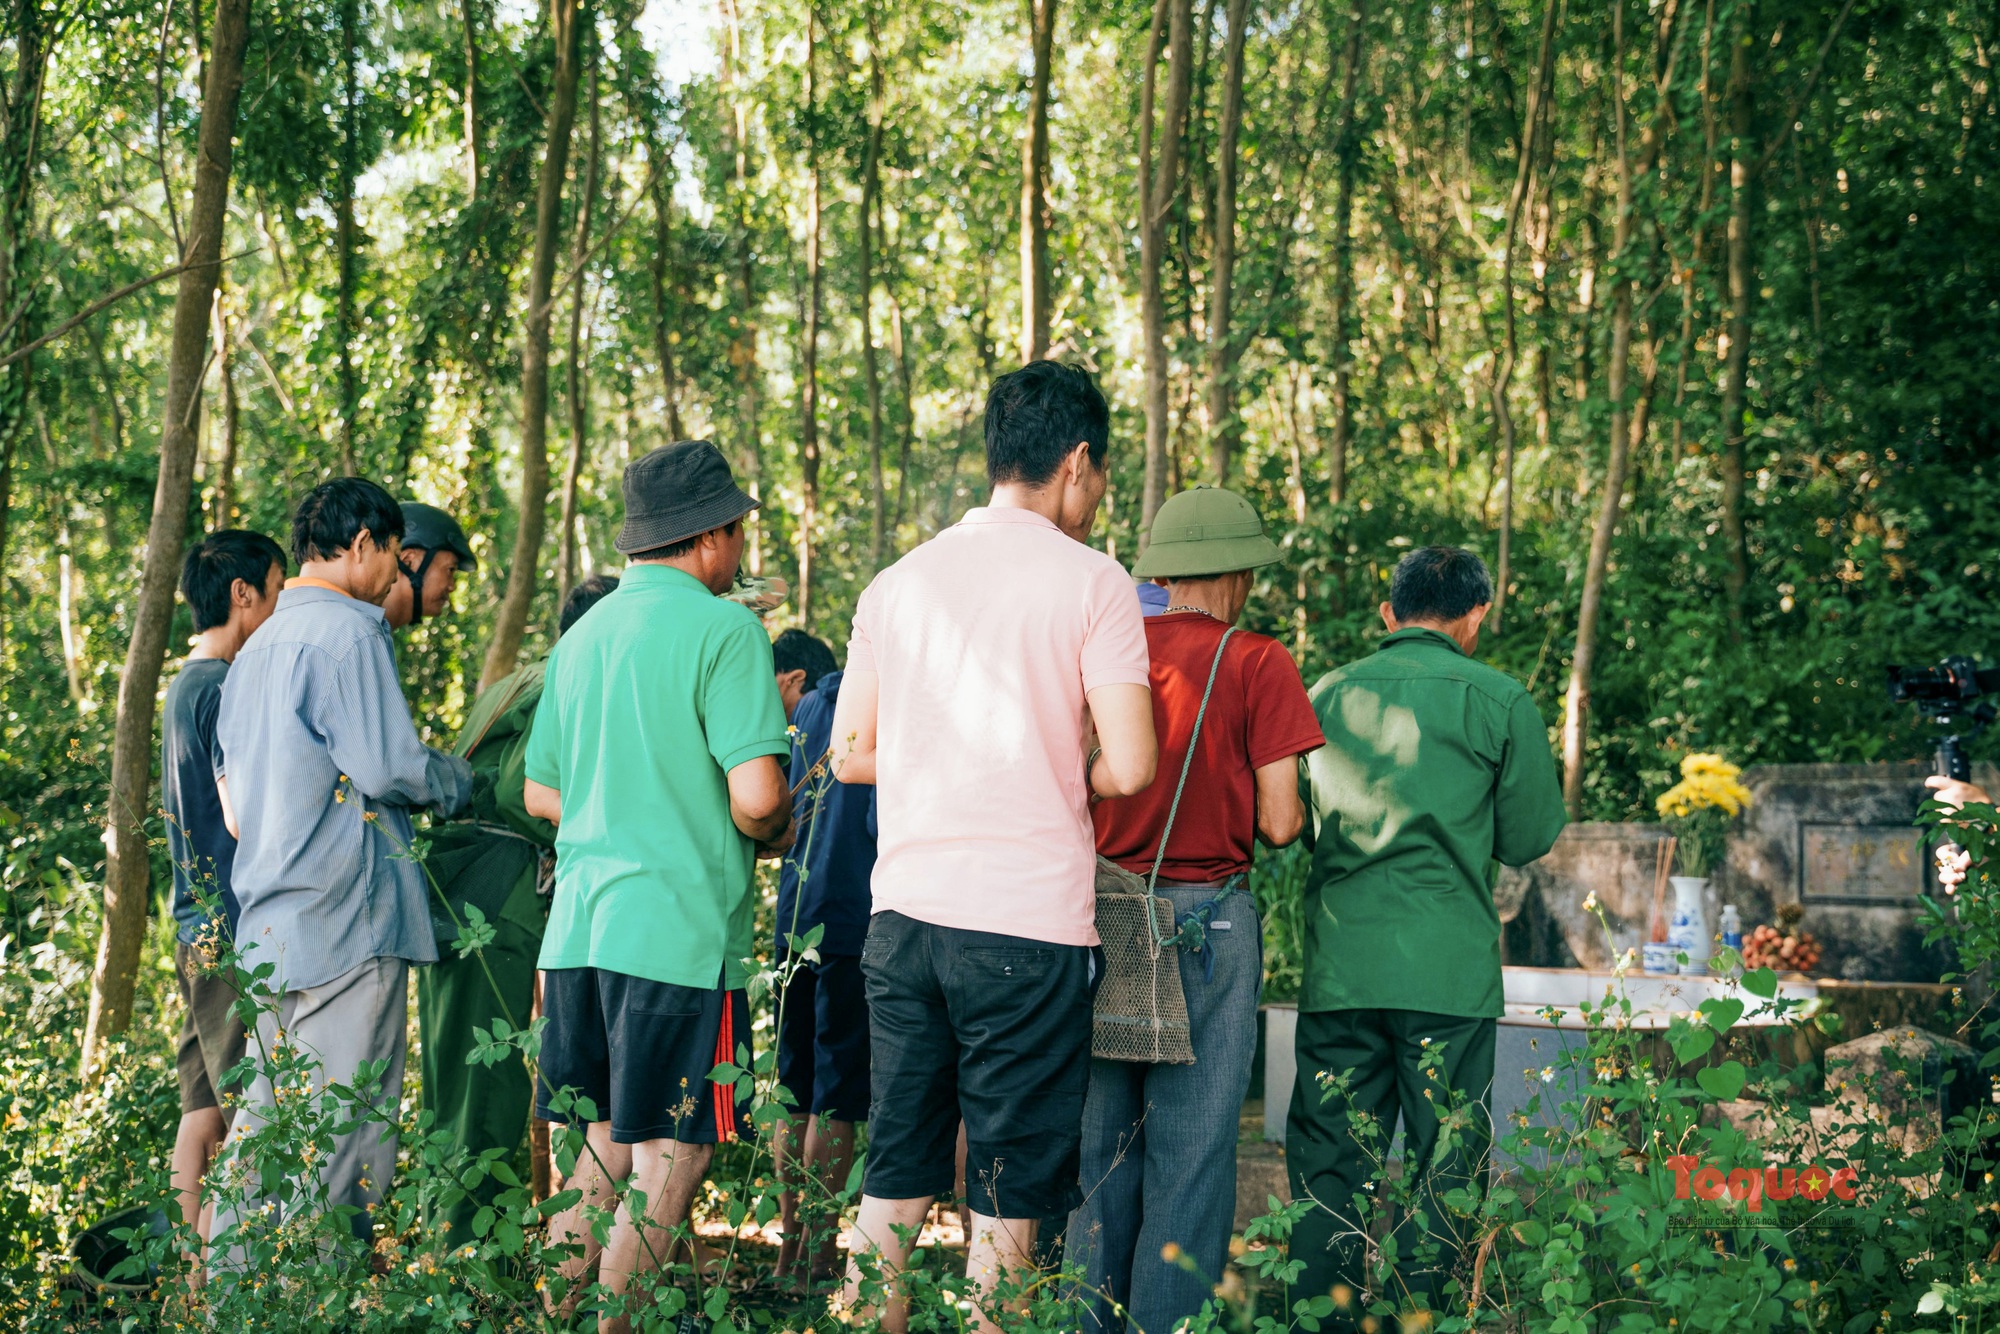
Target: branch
[576,273]
[160,125]
[1812,81]
[29,349]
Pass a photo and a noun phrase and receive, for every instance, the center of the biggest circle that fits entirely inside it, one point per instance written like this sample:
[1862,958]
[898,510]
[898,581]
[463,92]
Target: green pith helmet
[431,529]
[1205,531]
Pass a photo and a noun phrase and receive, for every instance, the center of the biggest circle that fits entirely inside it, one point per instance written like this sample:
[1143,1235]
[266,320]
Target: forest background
[1683,313]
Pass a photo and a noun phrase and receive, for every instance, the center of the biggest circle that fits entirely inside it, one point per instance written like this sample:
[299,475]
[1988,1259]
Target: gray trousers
[1159,1141]
[361,1015]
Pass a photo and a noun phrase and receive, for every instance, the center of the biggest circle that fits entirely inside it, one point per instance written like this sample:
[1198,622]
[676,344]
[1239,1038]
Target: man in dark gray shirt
[322,768]
[230,580]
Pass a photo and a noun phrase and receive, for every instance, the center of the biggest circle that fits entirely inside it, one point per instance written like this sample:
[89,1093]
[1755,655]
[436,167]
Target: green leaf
[1722,1082]
[1692,1045]
[1721,1013]
[1761,982]
[558,1202]
[1531,1234]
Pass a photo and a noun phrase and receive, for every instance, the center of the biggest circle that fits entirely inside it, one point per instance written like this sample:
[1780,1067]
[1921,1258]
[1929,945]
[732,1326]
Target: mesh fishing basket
[1141,1011]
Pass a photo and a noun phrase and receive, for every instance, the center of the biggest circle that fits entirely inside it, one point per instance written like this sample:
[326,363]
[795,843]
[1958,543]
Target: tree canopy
[1680,313]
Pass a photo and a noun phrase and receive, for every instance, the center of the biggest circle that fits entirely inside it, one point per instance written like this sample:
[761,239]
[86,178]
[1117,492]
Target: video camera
[1953,692]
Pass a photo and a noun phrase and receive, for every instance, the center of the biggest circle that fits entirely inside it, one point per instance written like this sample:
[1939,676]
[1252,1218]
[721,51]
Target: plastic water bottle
[1732,928]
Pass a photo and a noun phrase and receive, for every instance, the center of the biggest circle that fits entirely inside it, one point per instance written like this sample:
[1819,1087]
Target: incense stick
[1663,863]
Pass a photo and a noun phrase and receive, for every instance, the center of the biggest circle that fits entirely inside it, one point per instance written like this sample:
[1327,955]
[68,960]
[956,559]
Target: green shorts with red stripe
[642,1053]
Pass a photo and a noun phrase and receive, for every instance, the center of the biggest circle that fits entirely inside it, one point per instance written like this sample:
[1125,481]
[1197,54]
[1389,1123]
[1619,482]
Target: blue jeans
[1159,1141]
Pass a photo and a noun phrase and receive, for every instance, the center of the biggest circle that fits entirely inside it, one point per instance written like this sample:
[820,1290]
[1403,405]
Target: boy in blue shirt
[230,580]
[823,1016]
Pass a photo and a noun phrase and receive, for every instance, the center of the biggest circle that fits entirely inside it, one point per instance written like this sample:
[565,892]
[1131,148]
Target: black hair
[1035,416]
[795,650]
[214,564]
[582,598]
[1439,584]
[675,550]
[333,514]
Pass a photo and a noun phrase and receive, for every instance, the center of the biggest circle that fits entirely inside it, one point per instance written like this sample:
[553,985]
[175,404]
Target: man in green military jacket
[1435,767]
[491,860]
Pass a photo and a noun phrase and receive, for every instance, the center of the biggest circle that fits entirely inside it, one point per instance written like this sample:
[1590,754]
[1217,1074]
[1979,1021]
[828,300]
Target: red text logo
[1694,1180]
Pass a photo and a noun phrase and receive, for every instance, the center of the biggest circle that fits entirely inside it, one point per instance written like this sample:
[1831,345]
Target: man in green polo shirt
[493,860]
[1435,767]
[656,750]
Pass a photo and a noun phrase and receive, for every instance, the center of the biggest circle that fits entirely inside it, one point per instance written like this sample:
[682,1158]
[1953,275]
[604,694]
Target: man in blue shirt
[323,768]
[823,1015]
[230,580]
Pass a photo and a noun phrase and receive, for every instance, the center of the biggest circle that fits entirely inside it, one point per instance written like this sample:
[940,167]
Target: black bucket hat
[676,492]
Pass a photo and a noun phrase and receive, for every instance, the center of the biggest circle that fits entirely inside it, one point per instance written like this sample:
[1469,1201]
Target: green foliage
[1872,500]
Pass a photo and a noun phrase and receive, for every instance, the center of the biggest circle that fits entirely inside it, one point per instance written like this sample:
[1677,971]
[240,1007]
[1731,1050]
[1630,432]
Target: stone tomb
[1835,838]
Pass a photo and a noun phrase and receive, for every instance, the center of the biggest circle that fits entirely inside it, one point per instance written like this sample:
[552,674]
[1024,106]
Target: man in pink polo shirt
[973,716]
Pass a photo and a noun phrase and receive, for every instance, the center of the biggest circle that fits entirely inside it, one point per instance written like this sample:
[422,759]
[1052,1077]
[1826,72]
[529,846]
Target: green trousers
[1337,1142]
[483,1106]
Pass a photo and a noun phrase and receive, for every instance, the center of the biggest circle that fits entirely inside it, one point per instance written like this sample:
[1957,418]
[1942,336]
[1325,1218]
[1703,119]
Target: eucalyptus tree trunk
[1698,249]
[1034,187]
[899,347]
[579,382]
[1173,20]
[511,622]
[1622,262]
[128,879]
[472,105]
[1223,349]
[809,370]
[1576,716]
[871,367]
[1742,279]
[1503,374]
[1343,255]
[662,268]
[20,134]
[227,417]
[350,132]
[743,348]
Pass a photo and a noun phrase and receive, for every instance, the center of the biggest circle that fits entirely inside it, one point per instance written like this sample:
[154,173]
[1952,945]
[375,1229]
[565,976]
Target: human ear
[1079,461]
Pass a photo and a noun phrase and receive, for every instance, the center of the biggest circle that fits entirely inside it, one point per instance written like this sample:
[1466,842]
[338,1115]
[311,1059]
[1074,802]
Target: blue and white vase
[1687,929]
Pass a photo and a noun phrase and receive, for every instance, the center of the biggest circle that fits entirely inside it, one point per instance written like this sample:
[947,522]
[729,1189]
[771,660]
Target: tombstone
[1838,839]
[1541,904]
[1841,841]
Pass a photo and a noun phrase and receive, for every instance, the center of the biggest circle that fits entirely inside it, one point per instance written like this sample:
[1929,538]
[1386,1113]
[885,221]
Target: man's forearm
[542,801]
[763,829]
[856,766]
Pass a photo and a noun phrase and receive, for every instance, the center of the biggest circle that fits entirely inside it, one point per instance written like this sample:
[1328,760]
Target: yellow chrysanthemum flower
[1707,782]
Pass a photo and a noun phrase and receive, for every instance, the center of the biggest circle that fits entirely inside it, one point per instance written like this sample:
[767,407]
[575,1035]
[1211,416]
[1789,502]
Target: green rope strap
[1180,787]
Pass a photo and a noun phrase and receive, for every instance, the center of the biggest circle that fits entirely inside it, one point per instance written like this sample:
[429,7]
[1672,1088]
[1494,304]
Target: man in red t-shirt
[1159,1141]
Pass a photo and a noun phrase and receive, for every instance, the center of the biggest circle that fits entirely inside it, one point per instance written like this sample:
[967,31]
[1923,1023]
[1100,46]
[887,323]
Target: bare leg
[785,1155]
[603,1165]
[830,1151]
[195,1143]
[669,1173]
[994,1247]
[889,1229]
